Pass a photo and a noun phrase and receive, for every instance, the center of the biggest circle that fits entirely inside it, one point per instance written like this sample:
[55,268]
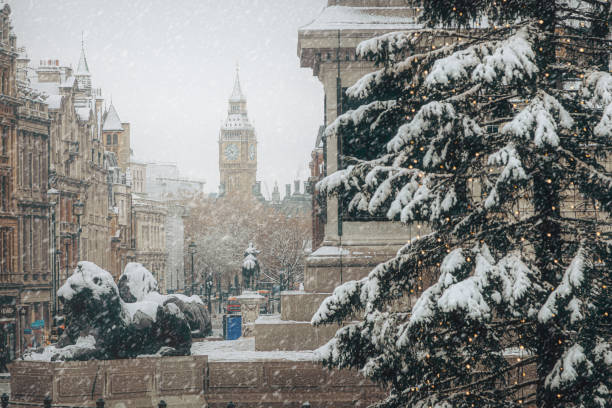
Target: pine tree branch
[498,373]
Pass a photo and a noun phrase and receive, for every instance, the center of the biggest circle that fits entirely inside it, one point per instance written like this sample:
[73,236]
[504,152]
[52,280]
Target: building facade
[31,185]
[10,276]
[175,247]
[120,217]
[149,217]
[237,147]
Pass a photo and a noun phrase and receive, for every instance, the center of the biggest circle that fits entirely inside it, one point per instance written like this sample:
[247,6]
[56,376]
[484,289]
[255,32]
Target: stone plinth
[329,267]
[250,303]
[291,335]
[130,383]
[300,306]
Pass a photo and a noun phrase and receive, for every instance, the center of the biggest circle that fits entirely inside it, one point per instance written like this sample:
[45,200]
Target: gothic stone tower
[116,137]
[237,147]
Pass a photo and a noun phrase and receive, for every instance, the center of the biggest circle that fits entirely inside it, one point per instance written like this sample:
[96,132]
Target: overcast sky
[169,66]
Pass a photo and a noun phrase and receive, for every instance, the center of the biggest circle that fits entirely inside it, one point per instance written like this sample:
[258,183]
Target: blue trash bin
[234,327]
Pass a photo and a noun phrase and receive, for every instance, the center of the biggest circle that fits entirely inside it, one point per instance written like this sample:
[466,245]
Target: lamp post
[53,196]
[192,249]
[209,286]
[219,295]
[78,209]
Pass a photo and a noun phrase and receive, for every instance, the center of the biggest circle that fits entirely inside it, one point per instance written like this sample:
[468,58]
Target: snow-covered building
[150,237]
[163,182]
[296,203]
[120,216]
[175,247]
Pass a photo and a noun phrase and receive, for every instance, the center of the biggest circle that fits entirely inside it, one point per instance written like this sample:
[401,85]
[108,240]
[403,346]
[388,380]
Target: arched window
[108,139]
[115,139]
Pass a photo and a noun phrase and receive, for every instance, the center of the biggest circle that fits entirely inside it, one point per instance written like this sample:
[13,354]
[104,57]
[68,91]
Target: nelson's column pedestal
[351,247]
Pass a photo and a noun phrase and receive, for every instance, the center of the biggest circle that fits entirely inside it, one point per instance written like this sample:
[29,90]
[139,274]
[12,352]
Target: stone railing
[189,382]
[180,381]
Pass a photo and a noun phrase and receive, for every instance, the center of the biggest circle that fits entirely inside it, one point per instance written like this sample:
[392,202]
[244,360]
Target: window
[4,140]
[4,191]
[6,253]
[115,141]
[108,139]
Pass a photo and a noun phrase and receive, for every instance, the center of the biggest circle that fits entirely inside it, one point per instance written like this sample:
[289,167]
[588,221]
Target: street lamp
[192,249]
[209,286]
[53,196]
[78,208]
[219,295]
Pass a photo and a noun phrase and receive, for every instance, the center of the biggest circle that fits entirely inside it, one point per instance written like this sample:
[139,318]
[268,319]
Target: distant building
[175,246]
[163,182]
[120,217]
[150,237]
[296,204]
[161,187]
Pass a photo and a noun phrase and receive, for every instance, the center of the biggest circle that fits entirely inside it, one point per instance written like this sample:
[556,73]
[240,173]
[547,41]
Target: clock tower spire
[237,146]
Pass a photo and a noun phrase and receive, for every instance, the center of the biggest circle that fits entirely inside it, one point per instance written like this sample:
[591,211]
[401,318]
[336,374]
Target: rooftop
[112,121]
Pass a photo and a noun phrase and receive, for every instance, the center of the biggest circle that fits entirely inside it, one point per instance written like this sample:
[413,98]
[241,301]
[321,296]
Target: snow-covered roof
[54,101]
[364,18]
[112,121]
[83,113]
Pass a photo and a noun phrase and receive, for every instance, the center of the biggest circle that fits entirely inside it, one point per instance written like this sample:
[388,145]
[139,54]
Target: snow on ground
[243,349]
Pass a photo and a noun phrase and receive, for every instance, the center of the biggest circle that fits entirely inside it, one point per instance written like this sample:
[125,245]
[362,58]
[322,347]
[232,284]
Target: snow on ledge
[330,251]
[276,319]
[364,18]
[243,350]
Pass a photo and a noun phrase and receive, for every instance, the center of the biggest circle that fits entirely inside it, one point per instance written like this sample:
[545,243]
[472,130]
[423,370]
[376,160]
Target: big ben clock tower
[237,147]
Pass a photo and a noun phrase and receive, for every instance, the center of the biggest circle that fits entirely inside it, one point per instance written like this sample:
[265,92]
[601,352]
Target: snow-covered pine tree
[250,267]
[493,126]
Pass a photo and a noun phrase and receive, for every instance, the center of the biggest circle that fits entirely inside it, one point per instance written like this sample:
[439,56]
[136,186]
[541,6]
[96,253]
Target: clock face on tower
[252,152]
[231,152]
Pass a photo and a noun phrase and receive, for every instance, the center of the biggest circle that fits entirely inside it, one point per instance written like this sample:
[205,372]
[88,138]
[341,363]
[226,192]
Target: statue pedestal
[250,303]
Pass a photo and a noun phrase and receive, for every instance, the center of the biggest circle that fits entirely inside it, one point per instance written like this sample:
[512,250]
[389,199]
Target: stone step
[291,335]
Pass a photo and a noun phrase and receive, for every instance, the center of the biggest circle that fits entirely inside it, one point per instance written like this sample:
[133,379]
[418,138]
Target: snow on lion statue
[101,325]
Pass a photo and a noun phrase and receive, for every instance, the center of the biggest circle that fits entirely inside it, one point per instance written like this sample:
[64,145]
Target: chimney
[287,190]
[296,187]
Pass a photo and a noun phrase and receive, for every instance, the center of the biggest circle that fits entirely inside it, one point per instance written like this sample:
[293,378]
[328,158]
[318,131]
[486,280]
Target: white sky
[169,67]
